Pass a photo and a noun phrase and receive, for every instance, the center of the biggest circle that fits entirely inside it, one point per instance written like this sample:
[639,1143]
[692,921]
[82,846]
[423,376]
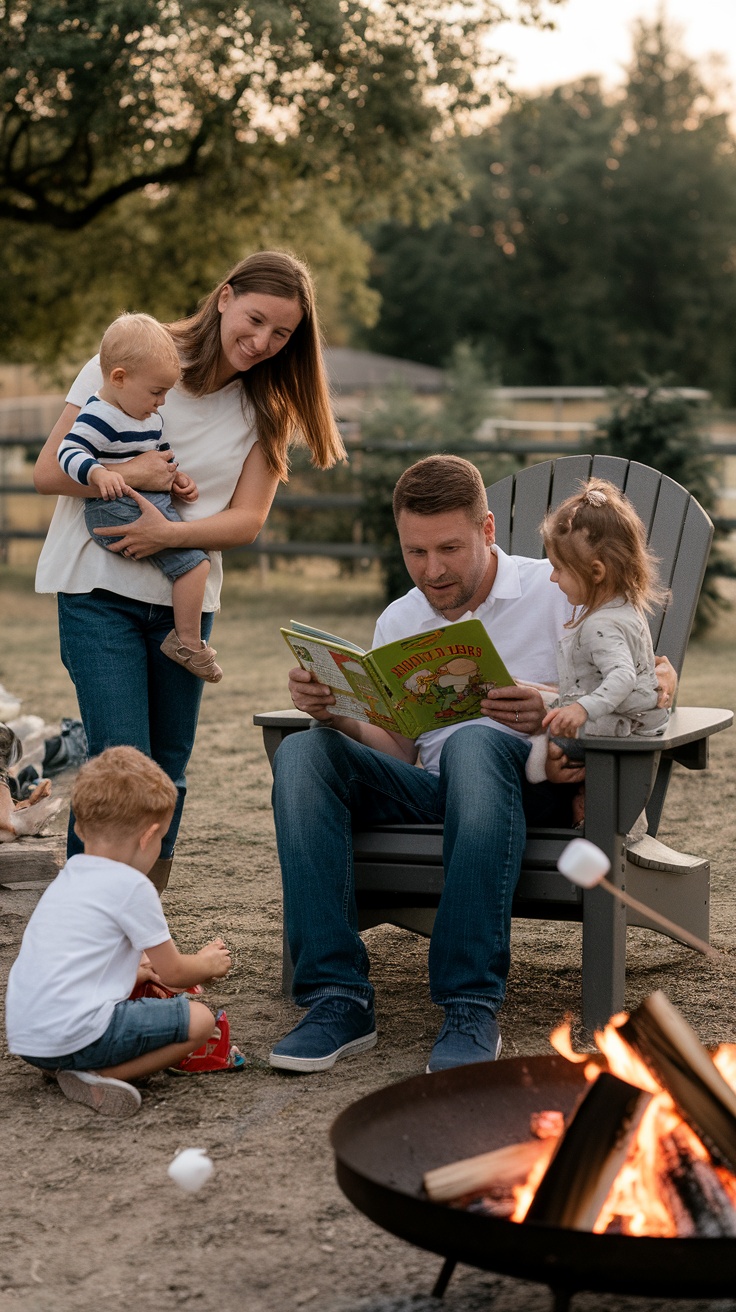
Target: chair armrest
[277,725]
[621,772]
[291,719]
[687,725]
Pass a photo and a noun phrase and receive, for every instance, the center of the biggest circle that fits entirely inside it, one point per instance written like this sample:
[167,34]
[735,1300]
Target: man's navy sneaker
[470,1033]
[333,1027]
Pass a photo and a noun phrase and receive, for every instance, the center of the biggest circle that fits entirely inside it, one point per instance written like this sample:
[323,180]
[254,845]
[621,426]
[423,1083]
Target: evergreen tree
[655,426]
[596,241]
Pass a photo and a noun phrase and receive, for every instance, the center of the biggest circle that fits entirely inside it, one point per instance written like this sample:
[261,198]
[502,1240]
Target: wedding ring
[517,717]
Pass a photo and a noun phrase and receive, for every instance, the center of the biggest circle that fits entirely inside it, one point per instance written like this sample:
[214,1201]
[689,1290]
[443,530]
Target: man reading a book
[345,772]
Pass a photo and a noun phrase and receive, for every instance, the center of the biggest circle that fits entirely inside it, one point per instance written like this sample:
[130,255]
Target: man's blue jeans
[129,693]
[325,784]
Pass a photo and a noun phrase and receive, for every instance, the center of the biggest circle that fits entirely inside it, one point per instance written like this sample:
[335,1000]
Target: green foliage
[596,241]
[145,144]
[400,431]
[660,428]
[60,293]
[400,422]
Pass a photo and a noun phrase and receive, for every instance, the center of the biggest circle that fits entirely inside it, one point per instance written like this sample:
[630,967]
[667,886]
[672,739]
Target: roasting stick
[586,865]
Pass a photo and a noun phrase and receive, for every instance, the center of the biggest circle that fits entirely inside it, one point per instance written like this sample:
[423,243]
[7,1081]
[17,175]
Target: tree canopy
[126,124]
[107,97]
[597,241]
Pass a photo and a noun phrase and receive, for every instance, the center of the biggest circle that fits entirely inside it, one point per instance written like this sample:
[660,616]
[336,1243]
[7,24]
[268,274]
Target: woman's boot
[159,873]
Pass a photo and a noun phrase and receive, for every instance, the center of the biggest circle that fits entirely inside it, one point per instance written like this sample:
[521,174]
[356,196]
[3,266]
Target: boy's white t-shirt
[80,955]
[211,436]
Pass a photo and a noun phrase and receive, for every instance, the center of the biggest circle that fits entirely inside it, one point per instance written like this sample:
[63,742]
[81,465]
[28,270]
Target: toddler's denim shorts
[136,1027]
[172,561]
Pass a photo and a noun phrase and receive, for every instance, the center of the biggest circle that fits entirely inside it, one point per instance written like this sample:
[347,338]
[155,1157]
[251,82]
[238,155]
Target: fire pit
[386,1142]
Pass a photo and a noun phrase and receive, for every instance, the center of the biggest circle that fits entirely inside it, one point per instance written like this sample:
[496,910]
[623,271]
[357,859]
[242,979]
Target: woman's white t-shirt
[79,956]
[211,436]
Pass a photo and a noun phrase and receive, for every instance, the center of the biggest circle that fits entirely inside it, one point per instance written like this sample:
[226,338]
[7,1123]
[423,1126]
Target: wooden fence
[572,440]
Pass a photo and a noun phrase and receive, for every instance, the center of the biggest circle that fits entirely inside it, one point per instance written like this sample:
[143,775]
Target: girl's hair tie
[594,497]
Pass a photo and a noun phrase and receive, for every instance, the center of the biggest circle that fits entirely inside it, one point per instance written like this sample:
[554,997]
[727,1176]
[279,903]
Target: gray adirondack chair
[398,869]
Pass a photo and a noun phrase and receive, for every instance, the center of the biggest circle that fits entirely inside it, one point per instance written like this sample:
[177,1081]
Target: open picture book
[421,682]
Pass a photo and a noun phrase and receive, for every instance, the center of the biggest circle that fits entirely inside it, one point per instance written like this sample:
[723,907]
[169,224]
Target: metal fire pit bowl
[385,1142]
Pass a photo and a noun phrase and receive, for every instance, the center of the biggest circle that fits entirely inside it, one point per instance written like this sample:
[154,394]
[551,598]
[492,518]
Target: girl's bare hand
[565,720]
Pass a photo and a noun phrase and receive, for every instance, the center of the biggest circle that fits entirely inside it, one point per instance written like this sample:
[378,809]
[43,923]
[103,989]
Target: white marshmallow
[583,863]
[190,1169]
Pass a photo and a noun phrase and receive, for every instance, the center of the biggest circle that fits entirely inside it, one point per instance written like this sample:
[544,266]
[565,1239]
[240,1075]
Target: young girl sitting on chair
[596,545]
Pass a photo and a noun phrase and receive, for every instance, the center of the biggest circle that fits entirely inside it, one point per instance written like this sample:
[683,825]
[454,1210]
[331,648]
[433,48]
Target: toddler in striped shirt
[139,364]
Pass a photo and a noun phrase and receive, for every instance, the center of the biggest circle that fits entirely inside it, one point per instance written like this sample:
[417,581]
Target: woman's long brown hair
[289,392]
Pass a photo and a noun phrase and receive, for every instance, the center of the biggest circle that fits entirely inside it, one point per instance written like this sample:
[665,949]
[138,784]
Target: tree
[596,242]
[401,430]
[132,121]
[655,426]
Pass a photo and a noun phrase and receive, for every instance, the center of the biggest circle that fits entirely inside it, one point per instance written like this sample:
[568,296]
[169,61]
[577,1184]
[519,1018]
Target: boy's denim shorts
[136,1027]
[172,562]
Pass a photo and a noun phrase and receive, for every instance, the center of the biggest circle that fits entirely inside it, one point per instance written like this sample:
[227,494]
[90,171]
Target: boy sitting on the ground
[68,1004]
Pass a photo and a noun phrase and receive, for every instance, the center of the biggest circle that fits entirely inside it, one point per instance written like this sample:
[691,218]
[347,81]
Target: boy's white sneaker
[107,1096]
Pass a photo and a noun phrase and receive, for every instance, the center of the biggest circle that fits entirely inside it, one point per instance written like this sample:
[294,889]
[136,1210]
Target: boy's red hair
[121,790]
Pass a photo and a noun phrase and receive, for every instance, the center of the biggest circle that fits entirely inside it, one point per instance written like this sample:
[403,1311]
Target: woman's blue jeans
[325,784]
[129,693]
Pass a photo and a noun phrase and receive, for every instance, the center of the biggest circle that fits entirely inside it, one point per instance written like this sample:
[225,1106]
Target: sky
[594,36]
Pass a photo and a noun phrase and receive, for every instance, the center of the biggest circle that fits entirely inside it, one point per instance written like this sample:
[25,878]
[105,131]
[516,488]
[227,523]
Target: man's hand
[184,487]
[565,720]
[666,681]
[109,484]
[520,707]
[559,770]
[309,695]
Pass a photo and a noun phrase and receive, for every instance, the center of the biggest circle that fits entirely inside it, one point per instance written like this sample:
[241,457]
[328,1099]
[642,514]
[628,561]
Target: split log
[499,1170]
[672,1051]
[692,1191]
[589,1155]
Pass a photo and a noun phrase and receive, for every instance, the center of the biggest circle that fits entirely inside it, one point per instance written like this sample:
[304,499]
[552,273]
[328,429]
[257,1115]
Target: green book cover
[421,682]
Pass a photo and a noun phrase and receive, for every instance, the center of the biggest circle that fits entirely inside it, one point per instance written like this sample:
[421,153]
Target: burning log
[495,1172]
[672,1051]
[589,1155]
[692,1190]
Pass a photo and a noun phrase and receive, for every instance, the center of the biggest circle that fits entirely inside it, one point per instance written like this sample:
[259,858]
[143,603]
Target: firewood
[589,1155]
[497,1170]
[672,1051]
[694,1195]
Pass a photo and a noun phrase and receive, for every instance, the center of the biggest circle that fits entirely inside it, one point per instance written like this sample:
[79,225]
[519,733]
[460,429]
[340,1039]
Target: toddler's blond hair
[121,791]
[135,340]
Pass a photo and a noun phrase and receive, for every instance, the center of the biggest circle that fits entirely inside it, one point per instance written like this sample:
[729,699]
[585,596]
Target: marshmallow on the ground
[191,1168]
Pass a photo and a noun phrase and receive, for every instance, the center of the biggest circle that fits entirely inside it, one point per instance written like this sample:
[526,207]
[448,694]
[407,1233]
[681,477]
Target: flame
[635,1205]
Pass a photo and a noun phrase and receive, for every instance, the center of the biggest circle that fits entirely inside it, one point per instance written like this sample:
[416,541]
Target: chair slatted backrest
[679,531]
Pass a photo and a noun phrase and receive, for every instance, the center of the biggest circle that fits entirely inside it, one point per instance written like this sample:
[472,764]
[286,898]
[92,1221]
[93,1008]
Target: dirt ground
[89,1216]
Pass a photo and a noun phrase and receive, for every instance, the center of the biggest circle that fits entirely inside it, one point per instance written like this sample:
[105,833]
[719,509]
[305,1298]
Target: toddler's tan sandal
[202,662]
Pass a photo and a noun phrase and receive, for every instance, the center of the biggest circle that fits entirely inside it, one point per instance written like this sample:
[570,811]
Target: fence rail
[287,502]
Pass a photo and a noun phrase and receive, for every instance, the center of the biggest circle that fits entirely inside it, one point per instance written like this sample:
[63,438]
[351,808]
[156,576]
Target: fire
[635,1204]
